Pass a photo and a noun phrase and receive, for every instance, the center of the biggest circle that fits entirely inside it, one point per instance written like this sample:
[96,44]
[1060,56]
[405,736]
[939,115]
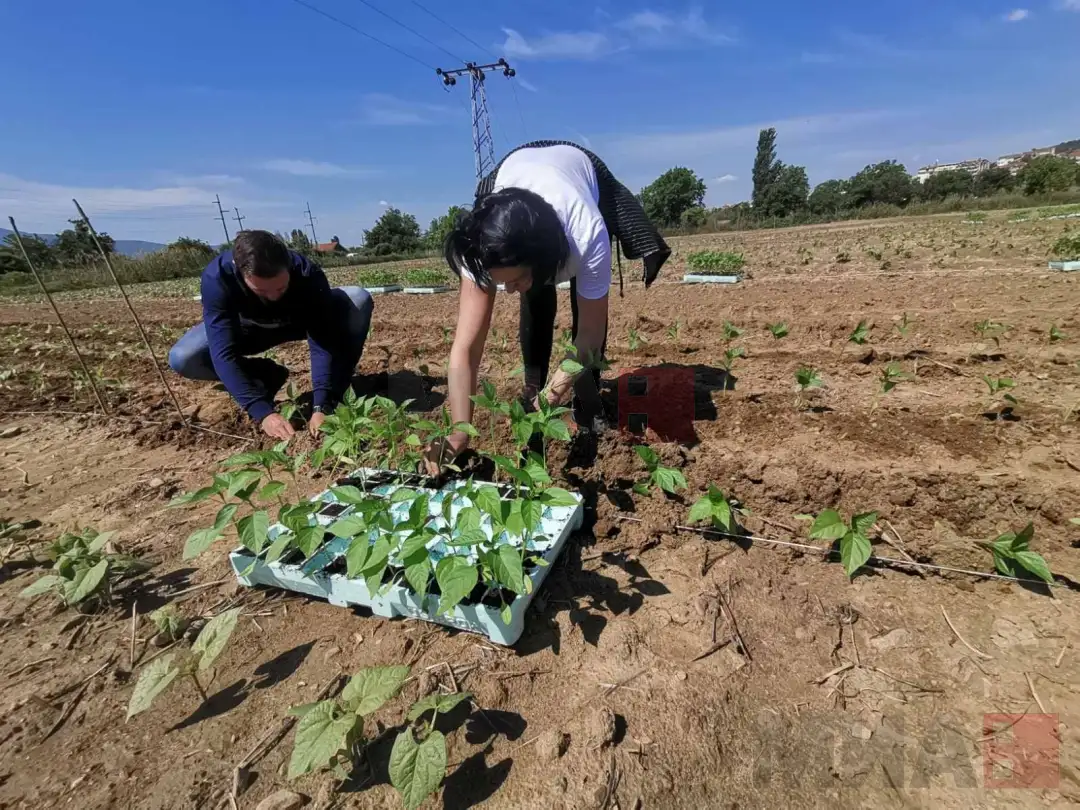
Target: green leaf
[864,523]
[668,479]
[200,541]
[417,769]
[153,680]
[224,516]
[467,538]
[641,488]
[437,702]
[42,585]
[99,542]
[349,526]
[320,737]
[279,546]
[648,455]
[302,709]
[467,429]
[376,564]
[855,550]
[418,512]
[570,366]
[252,530]
[532,512]
[558,430]
[556,496]
[488,500]
[244,460]
[1023,539]
[196,496]
[271,490]
[1034,564]
[349,495]
[414,544]
[701,510]
[418,574]
[356,556]
[537,469]
[214,637]
[506,565]
[241,480]
[403,494]
[861,333]
[86,583]
[468,519]
[371,687]
[512,518]
[828,526]
[522,431]
[308,540]
[456,578]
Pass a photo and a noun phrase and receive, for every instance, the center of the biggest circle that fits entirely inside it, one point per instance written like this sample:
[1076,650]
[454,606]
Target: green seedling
[634,340]
[730,356]
[716,262]
[1001,385]
[330,733]
[861,333]
[806,377]
[717,509]
[855,548]
[425,277]
[665,478]
[674,330]
[565,343]
[1056,334]
[731,331]
[169,623]
[376,277]
[159,674]
[447,335]
[843,257]
[991,330]
[903,326]
[85,571]
[779,330]
[290,408]
[488,399]
[891,376]
[1012,555]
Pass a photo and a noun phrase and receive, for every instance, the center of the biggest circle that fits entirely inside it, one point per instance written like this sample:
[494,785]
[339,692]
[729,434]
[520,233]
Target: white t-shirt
[565,178]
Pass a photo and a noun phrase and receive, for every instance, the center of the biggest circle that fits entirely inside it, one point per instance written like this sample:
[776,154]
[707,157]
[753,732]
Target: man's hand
[317,419]
[442,452]
[277,427]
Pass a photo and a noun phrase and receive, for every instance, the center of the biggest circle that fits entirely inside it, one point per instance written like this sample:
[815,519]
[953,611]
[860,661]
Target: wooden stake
[963,641]
[134,315]
[59,317]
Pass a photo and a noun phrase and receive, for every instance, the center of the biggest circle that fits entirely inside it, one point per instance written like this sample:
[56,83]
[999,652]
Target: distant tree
[299,242]
[766,167]
[829,198]
[393,232]
[669,195]
[440,227]
[787,193]
[75,246]
[1047,173]
[951,183]
[991,181]
[694,217]
[11,258]
[193,248]
[887,183]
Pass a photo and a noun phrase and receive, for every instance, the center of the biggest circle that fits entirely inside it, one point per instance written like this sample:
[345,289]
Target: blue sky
[145,111]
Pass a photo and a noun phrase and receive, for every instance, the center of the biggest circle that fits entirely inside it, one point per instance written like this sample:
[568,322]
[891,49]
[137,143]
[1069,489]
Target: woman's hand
[442,452]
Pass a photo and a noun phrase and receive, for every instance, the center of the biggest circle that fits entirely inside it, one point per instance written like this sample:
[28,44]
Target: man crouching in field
[260,295]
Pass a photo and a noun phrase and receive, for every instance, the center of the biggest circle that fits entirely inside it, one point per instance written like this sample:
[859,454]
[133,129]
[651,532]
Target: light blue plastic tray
[1066,267]
[697,278]
[314,577]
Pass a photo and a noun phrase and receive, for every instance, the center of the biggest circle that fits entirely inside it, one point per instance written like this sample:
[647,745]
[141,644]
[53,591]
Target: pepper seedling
[1001,385]
[891,376]
[1012,555]
[855,547]
[1056,334]
[731,331]
[779,330]
[861,334]
[634,340]
[903,326]
[489,400]
[714,507]
[730,356]
[991,330]
[667,479]
[806,377]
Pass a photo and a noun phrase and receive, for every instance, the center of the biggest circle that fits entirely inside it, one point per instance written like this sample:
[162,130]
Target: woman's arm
[592,327]
[475,306]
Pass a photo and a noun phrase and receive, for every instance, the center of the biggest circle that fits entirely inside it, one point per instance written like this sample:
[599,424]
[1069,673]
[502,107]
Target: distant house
[973,166]
[332,247]
[1006,161]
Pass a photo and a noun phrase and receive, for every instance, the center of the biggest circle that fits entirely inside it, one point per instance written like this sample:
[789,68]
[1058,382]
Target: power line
[311,222]
[521,115]
[353,28]
[217,199]
[411,30]
[239,219]
[466,37]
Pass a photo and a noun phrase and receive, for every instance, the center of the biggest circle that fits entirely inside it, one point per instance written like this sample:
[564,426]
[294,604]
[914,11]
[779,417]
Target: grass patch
[426,277]
[716,262]
[1067,248]
[376,277]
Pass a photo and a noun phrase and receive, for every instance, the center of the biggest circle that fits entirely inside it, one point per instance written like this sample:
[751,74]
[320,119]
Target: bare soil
[608,700]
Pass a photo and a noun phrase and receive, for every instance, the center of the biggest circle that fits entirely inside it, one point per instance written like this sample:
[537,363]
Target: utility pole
[483,145]
[311,223]
[221,213]
[239,219]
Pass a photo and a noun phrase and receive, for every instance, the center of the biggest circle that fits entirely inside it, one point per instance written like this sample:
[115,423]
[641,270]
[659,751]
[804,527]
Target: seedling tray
[322,574]
[441,288]
[385,288]
[563,285]
[1066,267]
[698,278]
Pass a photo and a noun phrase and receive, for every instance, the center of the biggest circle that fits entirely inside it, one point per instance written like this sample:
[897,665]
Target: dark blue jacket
[230,310]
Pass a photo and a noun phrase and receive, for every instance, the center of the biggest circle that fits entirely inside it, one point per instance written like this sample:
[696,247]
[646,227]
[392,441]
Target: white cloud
[661,29]
[726,178]
[47,199]
[559,45]
[384,203]
[527,85]
[389,111]
[1070,5]
[1018,14]
[314,168]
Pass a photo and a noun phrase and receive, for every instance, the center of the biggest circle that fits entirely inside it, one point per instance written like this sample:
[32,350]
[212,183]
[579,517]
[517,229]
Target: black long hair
[512,227]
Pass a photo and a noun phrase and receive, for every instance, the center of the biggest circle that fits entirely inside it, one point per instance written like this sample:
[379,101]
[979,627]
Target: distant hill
[125,247]
[1067,146]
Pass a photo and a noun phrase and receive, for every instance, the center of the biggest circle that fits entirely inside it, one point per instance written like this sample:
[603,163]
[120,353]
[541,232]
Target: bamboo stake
[59,317]
[134,315]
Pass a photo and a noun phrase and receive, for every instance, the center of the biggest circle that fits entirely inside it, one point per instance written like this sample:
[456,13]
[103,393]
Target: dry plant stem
[59,317]
[963,641]
[1061,655]
[836,671]
[134,624]
[199,687]
[1035,694]
[726,607]
[25,667]
[134,315]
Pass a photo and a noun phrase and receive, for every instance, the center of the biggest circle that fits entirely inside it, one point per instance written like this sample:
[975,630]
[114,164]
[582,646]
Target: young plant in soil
[664,478]
[806,377]
[425,277]
[854,537]
[169,624]
[904,325]
[160,673]
[330,733]
[714,507]
[891,376]
[991,330]
[674,330]
[779,330]
[1012,556]
[730,356]
[84,571]
[861,334]
[731,331]
[438,432]
[488,399]
[1002,386]
[634,340]
[1056,334]
[289,408]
